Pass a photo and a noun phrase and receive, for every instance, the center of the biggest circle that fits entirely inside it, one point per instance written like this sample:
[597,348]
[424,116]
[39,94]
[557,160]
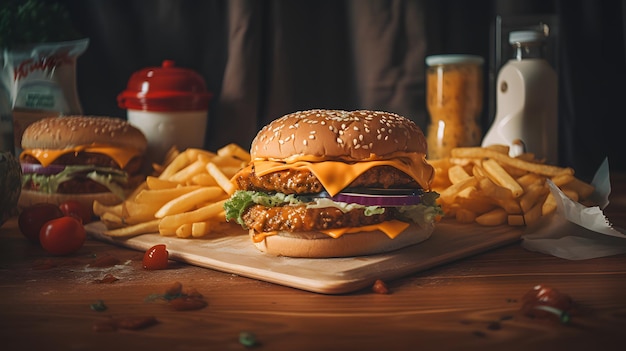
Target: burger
[332,183]
[83,158]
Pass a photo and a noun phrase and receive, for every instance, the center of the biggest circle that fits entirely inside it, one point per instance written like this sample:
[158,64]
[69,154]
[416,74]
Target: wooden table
[474,303]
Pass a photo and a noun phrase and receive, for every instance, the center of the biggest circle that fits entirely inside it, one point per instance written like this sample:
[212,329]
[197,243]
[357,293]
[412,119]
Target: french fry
[516,220]
[507,190]
[112,220]
[526,156]
[503,149]
[482,153]
[186,173]
[179,162]
[155,183]
[236,151]
[99,209]
[137,212]
[501,177]
[478,172]
[562,179]
[492,218]
[203,179]
[183,198]
[184,230]
[477,203]
[457,173]
[188,201]
[162,196]
[452,191]
[529,179]
[222,180]
[197,215]
[167,231]
[228,161]
[200,229]
[584,190]
[194,154]
[533,215]
[230,171]
[134,230]
[549,205]
[493,190]
[534,193]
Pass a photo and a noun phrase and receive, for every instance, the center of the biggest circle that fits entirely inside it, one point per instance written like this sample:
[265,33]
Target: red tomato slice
[62,236]
[156,257]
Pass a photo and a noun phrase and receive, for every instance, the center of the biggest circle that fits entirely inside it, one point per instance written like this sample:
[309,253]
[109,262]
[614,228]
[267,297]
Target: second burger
[82,158]
[333,183]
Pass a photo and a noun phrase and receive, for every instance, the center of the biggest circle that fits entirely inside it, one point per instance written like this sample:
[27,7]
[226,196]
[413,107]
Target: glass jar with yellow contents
[454,98]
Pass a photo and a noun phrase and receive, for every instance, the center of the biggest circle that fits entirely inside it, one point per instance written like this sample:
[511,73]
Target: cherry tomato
[156,257]
[62,236]
[32,218]
[77,209]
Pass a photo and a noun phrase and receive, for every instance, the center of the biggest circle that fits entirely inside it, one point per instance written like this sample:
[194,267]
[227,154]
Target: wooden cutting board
[235,254]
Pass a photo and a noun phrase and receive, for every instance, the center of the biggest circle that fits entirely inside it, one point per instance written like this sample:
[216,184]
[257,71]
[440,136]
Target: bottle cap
[449,59]
[526,36]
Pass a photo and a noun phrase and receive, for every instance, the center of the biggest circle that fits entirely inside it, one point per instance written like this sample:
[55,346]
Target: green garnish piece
[99,306]
[247,339]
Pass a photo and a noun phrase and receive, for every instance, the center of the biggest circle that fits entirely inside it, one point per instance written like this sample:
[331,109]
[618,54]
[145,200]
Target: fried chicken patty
[300,218]
[292,181]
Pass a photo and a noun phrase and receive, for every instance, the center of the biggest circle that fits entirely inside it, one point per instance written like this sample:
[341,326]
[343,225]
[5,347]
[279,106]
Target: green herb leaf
[99,306]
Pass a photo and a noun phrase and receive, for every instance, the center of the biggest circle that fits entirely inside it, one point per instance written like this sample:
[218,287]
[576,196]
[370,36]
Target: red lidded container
[165,88]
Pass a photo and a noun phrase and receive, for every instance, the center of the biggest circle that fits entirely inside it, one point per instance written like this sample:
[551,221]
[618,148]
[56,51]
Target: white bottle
[526,101]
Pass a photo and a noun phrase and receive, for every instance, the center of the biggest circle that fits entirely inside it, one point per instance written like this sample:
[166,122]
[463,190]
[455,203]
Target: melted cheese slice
[391,228]
[119,155]
[336,175]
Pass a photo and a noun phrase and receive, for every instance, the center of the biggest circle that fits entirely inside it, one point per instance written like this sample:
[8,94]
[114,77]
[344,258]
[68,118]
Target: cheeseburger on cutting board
[332,183]
[82,158]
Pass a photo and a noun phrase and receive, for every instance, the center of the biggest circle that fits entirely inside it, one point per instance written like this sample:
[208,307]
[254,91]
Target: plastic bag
[39,80]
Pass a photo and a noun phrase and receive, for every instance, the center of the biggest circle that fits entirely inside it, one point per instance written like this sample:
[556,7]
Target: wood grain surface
[473,303]
[234,254]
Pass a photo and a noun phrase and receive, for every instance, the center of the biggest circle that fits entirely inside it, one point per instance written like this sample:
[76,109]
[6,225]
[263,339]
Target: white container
[183,129]
[526,101]
[170,106]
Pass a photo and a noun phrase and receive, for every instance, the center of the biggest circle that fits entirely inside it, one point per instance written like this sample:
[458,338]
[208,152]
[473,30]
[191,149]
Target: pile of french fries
[184,198]
[485,185]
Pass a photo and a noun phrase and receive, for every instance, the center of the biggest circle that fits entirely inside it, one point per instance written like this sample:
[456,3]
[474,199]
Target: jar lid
[526,36]
[449,59]
[165,88]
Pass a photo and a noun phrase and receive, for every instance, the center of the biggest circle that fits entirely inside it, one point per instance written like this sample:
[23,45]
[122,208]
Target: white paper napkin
[577,232]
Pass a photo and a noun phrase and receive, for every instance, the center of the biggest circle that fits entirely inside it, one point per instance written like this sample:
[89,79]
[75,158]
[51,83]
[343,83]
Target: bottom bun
[317,245]
[30,197]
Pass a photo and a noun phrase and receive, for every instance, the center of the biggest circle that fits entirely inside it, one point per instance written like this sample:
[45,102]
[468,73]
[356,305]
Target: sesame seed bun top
[339,135]
[71,131]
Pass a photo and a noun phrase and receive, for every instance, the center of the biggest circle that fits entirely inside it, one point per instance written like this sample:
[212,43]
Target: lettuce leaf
[426,212]
[109,177]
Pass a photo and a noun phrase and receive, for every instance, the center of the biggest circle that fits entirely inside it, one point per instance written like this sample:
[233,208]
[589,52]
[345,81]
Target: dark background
[296,57]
